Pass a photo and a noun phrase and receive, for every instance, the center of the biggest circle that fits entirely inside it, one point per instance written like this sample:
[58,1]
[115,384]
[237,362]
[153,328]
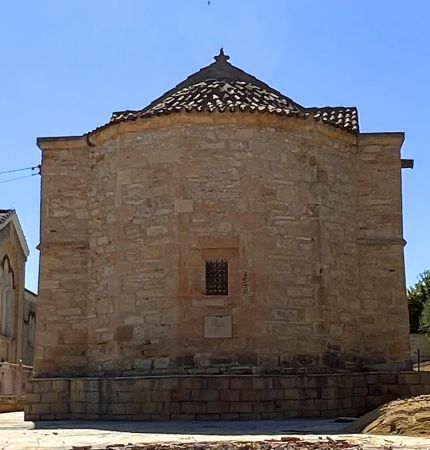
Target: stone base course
[242,397]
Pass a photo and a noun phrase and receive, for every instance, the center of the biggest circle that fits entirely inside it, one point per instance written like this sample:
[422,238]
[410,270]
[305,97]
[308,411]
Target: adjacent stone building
[16,337]
[223,229]
[13,255]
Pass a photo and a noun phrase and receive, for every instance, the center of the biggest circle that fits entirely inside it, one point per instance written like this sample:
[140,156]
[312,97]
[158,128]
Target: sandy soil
[409,417]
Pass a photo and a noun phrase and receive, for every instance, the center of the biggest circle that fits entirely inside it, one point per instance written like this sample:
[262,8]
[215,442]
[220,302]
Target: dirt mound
[406,417]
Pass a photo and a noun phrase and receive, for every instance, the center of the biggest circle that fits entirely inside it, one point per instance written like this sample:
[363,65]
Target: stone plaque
[218,327]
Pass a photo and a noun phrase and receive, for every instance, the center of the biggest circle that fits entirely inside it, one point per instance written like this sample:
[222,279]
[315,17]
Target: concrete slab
[15,434]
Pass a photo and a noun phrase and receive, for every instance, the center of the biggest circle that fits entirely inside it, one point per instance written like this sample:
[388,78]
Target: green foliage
[415,309]
[425,318]
[419,304]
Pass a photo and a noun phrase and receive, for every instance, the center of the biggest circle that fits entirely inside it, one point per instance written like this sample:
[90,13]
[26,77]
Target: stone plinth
[243,397]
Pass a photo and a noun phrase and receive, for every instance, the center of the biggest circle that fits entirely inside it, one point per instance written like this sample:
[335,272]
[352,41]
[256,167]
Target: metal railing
[12,379]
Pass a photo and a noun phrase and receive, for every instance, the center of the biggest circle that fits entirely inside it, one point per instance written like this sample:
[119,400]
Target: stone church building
[224,229]
[17,313]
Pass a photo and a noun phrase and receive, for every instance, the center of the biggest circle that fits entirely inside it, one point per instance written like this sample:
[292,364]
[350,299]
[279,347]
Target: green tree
[419,304]
[425,318]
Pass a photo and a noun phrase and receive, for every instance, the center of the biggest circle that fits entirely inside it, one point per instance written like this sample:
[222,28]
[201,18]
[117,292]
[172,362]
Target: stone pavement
[15,434]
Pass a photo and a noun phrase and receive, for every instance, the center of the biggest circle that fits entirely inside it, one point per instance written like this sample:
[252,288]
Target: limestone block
[124,333]
[33,398]
[180,395]
[225,227]
[156,230]
[250,395]
[161,363]
[144,364]
[49,397]
[167,384]
[184,205]
[262,383]
[272,394]
[171,408]
[42,386]
[205,395]
[219,383]
[193,408]
[229,395]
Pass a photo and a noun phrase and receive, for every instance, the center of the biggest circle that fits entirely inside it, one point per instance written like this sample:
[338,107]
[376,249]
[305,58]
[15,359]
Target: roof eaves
[51,139]
[5,217]
[13,218]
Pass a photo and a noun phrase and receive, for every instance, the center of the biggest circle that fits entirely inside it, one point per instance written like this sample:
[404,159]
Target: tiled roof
[217,95]
[340,117]
[232,96]
[222,87]
[5,214]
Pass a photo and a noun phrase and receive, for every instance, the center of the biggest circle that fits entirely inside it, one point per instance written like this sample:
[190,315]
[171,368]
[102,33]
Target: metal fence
[12,380]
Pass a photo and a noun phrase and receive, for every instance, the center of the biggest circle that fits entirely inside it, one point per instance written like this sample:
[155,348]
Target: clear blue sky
[66,65]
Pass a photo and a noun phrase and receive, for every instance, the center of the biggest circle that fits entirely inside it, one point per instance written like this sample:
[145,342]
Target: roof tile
[240,96]
[5,214]
[216,95]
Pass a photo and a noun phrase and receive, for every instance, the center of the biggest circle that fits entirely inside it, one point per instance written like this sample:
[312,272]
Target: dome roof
[222,87]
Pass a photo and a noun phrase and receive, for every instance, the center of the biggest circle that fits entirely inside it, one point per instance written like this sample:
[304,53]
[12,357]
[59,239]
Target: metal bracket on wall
[407,163]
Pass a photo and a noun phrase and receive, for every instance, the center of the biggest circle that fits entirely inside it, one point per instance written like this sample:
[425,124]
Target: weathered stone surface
[180,240]
[17,315]
[234,397]
[308,218]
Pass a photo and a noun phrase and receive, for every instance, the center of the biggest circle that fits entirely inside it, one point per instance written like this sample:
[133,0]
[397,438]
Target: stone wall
[218,397]
[61,328]
[10,248]
[308,217]
[382,293]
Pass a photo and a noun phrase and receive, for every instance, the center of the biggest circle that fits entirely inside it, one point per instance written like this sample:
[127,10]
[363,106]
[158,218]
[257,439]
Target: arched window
[7,298]
[31,328]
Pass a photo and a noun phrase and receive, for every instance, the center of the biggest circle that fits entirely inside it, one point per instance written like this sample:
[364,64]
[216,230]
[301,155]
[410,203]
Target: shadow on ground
[231,428]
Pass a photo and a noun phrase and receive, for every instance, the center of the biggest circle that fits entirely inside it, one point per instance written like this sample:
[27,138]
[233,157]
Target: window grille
[216,277]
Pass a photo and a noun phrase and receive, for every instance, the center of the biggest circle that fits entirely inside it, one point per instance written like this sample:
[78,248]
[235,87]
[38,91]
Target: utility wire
[19,178]
[20,170]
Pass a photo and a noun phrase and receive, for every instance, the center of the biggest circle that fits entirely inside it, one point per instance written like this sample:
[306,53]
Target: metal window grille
[216,277]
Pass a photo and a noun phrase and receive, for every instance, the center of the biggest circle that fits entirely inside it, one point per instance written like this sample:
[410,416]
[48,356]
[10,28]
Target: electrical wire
[20,170]
[19,178]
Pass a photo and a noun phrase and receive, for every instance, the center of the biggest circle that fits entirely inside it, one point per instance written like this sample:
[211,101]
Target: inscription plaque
[218,327]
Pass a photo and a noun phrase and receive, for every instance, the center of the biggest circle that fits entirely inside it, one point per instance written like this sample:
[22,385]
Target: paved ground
[15,434]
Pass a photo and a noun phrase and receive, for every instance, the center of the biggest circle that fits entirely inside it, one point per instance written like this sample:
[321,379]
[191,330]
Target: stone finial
[222,57]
